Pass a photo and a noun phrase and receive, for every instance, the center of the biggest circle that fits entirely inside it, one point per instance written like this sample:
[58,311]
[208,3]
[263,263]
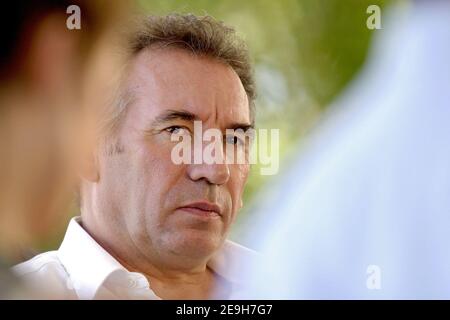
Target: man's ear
[90,170]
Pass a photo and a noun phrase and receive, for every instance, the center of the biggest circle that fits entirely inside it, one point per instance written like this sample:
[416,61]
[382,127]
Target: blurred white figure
[365,213]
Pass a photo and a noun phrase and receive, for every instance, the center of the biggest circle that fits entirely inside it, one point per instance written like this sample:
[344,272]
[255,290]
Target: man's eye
[176,130]
[232,139]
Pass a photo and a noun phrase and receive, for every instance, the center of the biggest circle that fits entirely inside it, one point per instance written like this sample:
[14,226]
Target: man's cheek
[243,171]
[239,176]
[157,160]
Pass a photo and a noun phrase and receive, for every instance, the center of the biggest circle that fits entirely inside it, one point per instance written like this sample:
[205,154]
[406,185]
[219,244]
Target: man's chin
[196,244]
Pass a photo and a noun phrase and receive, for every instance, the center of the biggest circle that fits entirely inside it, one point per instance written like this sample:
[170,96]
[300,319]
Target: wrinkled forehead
[173,78]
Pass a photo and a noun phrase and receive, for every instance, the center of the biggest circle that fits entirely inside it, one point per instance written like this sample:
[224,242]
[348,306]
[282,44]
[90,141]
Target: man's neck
[199,283]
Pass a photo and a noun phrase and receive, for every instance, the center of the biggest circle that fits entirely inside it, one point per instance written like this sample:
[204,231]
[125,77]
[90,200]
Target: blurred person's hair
[21,18]
[201,35]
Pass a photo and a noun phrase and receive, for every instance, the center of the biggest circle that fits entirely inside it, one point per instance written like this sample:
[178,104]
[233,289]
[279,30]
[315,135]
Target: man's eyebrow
[170,115]
[243,126]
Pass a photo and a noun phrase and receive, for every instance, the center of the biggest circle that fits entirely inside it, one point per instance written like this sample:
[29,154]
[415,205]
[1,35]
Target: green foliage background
[304,52]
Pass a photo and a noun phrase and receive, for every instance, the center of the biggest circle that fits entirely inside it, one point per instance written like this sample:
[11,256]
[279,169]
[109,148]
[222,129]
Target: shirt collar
[89,265]
[230,260]
[86,262]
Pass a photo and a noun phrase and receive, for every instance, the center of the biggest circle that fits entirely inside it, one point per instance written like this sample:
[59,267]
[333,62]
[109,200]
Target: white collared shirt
[82,269]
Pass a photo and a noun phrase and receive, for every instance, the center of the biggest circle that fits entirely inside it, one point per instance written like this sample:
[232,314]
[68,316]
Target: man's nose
[213,173]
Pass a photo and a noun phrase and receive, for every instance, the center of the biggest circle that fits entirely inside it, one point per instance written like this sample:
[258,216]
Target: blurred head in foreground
[51,76]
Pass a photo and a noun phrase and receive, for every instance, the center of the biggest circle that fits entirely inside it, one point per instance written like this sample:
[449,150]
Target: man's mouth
[202,209]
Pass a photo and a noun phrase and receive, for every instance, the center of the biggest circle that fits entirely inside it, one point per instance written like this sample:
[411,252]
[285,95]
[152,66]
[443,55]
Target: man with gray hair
[150,228]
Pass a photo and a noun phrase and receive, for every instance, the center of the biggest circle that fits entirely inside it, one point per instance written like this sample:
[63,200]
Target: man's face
[141,190]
